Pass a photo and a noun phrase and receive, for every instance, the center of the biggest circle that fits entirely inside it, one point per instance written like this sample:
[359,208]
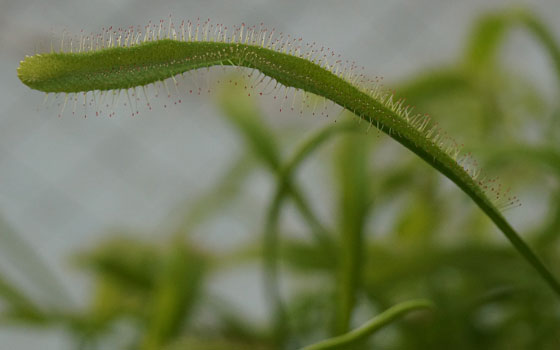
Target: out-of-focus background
[154,231]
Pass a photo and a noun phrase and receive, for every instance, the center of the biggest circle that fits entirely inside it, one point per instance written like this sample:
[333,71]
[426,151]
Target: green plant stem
[501,223]
[285,187]
[270,255]
[371,326]
[525,250]
[353,206]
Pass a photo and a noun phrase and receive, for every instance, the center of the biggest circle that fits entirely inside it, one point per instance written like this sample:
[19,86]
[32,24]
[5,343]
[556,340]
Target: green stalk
[370,327]
[284,188]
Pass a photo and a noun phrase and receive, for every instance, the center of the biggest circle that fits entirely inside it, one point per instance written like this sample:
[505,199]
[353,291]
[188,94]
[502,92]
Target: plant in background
[378,273]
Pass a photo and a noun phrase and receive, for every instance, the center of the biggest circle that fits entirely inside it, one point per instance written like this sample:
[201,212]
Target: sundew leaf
[131,60]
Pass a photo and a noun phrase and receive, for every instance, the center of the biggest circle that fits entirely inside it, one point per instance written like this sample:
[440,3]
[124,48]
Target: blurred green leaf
[178,286]
[17,307]
[31,266]
[243,113]
[220,195]
[485,39]
[127,262]
[489,34]
[354,203]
